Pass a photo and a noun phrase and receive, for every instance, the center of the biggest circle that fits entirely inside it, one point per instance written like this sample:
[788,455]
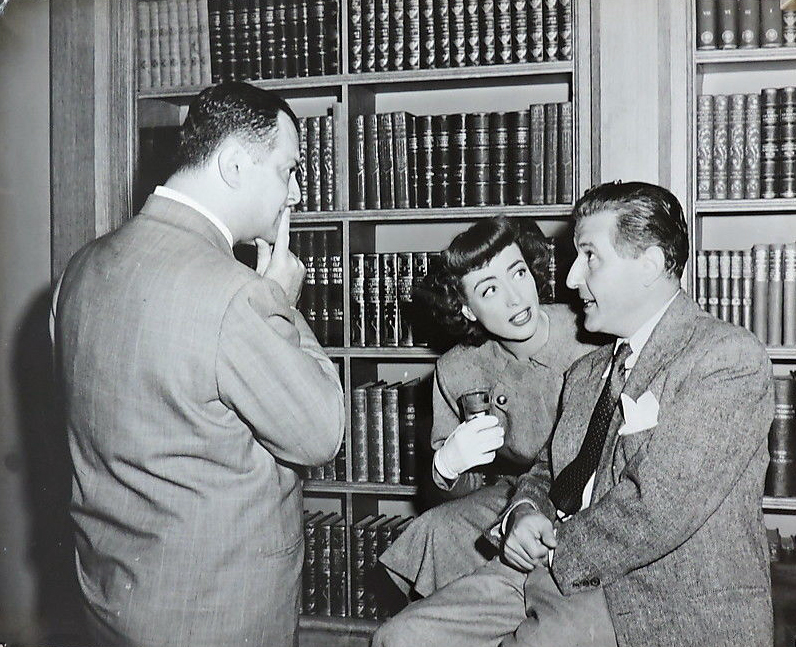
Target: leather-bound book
[774,335]
[144,60]
[372,183]
[704,147]
[724,284]
[728,24]
[713,283]
[392,452]
[389,299]
[498,158]
[154,42]
[537,142]
[503,35]
[760,292]
[161,31]
[308,299]
[323,564]
[488,33]
[316,36]
[786,108]
[369,33]
[357,300]
[375,416]
[281,65]
[308,588]
[748,24]
[736,147]
[781,475]
[327,163]
[789,295]
[472,32]
[736,288]
[458,159]
[313,163]
[701,287]
[243,54]
[331,39]
[550,22]
[407,430]
[322,286]
[412,33]
[478,159]
[386,158]
[419,273]
[535,31]
[720,139]
[443,33]
[358,190]
[519,157]
[441,161]
[565,153]
[747,288]
[769,143]
[372,299]
[550,153]
[404,291]
[564,30]
[397,34]
[383,48]
[519,26]
[789,28]
[401,159]
[338,572]
[425,161]
[255,39]
[302,133]
[355,36]
[771,23]
[295,29]
[359,433]
[428,35]
[203,31]
[752,144]
[706,24]
[268,29]
[358,576]
[458,39]
[411,158]
[334,246]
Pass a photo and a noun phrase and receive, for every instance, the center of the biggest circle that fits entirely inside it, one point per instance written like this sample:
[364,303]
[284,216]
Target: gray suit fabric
[191,389]
[674,536]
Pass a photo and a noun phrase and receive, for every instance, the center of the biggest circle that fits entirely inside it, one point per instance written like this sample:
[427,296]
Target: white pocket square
[639,415]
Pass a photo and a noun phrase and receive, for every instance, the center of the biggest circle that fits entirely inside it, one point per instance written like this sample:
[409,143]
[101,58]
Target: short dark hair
[229,108]
[472,249]
[646,215]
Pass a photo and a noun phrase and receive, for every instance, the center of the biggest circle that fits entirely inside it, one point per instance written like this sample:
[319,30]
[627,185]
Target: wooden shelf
[447,214]
[745,207]
[787,504]
[782,352]
[755,55]
[383,352]
[339,487]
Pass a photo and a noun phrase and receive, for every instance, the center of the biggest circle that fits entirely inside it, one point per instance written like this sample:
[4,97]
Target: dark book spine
[400,160]
[291,36]
[308,597]
[704,147]
[255,39]
[565,153]
[786,150]
[340,463]
[728,24]
[472,32]
[331,39]
[519,156]
[371,607]
[441,189]
[372,300]
[372,171]
[216,47]
[565,30]
[478,159]
[736,288]
[748,24]
[428,39]
[389,299]
[321,254]
[300,46]
[550,243]
[382,35]
[774,319]
[419,272]
[316,37]
[397,34]
[788,28]
[327,163]
[550,153]
[243,53]
[425,161]
[411,159]
[314,182]
[498,158]
[359,435]
[760,292]
[229,68]
[412,26]
[781,475]
[392,455]
[768,144]
[358,192]
[537,154]
[458,38]
[386,158]
[458,159]
[337,570]
[335,247]
[407,432]
[736,140]
[701,291]
[503,39]
[269,40]
[404,291]
[357,571]
[536,46]
[375,418]
[488,33]
[355,36]
[323,566]
[358,300]
[443,33]
[724,285]
[720,137]
[550,22]
[713,283]
[706,24]
[771,23]
[789,295]
[369,35]
[519,26]
[308,300]
[747,288]
[280,39]
[302,133]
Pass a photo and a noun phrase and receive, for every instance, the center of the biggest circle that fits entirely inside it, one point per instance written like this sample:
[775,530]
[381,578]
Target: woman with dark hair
[486,293]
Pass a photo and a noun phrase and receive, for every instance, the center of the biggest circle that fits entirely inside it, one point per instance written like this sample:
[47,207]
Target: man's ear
[654,264]
[468,314]
[231,160]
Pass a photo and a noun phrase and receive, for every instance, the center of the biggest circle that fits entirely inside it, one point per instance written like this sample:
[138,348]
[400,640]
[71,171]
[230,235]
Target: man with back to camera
[642,525]
[192,388]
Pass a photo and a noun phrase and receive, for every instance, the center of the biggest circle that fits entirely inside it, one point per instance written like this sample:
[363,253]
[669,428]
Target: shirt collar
[177,196]
[639,338]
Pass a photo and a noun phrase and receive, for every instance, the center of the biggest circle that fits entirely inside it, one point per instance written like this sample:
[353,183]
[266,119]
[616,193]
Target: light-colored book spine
[144,50]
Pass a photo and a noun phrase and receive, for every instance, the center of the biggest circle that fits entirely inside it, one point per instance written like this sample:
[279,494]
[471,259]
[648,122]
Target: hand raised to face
[279,263]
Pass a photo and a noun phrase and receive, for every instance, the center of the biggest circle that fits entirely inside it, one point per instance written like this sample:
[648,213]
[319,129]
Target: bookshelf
[735,222]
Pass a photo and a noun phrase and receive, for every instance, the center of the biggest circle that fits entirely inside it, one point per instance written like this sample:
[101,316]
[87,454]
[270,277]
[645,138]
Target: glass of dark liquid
[473,404]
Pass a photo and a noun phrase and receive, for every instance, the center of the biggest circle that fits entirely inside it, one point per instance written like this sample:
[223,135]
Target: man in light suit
[642,525]
[193,388]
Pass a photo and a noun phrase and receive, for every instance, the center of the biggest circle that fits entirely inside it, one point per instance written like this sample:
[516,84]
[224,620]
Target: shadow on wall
[47,468]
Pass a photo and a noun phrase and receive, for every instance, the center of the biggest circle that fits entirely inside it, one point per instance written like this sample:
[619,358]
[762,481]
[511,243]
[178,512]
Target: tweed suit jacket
[192,388]
[674,533]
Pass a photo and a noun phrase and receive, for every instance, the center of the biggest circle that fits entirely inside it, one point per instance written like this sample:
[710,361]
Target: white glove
[472,443]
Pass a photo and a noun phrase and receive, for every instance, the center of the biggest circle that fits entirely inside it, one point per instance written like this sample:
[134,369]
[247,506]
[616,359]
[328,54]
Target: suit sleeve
[273,373]
[711,425]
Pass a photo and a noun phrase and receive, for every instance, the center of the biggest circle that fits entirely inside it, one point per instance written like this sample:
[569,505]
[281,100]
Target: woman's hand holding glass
[472,443]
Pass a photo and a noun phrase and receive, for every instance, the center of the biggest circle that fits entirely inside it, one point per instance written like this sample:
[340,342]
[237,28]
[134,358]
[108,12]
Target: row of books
[316,163]
[731,24]
[324,573]
[753,288]
[384,426]
[781,475]
[334,470]
[426,34]
[501,158]
[746,145]
[781,548]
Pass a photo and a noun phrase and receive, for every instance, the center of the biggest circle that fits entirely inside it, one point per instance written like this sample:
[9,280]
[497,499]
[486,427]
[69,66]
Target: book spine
[704,147]
[702,279]
[164,48]
[550,153]
[425,161]
[488,33]
[401,160]
[565,153]
[392,455]
[382,35]
[748,24]
[768,143]
[760,292]
[458,39]
[337,570]
[314,182]
[322,301]
[389,299]
[550,243]
[787,142]
[404,291]
[412,26]
[369,28]
[788,28]
[303,170]
[323,565]
[175,46]
[280,39]
[372,300]
[443,34]
[498,158]
[375,417]
[359,435]
[308,598]
[205,58]
[428,40]
[752,147]
[358,300]
[537,154]
[268,29]
[327,163]
[308,298]
[407,432]
[357,572]
[781,475]
[397,34]
[724,285]
[332,39]
[503,39]
[316,37]
[720,137]
[550,23]
[255,39]
[519,156]
[536,46]
[713,283]
[565,30]
[478,159]
[386,157]
[359,191]
[336,319]
[441,164]
[214,38]
[472,32]
[747,288]
[355,36]
[372,171]
[736,288]
[706,24]
[144,47]
[458,159]
[340,463]
[419,272]
[371,606]
[194,41]
[770,23]
[411,159]
[728,24]
[735,156]
[293,38]
[243,40]
[789,295]
[229,63]
[774,335]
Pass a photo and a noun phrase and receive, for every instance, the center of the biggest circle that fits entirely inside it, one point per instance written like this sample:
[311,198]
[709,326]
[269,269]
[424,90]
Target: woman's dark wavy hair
[442,290]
